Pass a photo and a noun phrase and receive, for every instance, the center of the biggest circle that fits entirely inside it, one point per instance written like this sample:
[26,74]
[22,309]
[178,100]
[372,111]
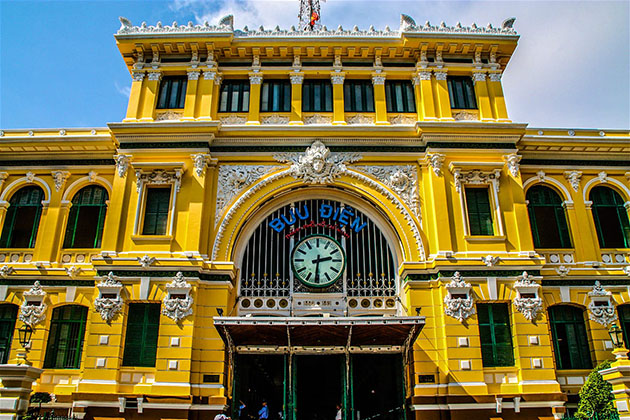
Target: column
[417,91]
[337,79]
[114,221]
[296,98]
[444,100]
[150,95]
[438,189]
[133,108]
[205,91]
[255,80]
[191,95]
[380,103]
[427,106]
[481,93]
[216,91]
[50,234]
[496,97]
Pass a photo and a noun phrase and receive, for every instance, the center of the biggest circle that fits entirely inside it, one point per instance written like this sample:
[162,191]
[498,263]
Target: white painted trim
[98,382]
[40,182]
[485,406]
[86,180]
[464,384]
[179,384]
[549,382]
[421,386]
[205,386]
[596,180]
[549,180]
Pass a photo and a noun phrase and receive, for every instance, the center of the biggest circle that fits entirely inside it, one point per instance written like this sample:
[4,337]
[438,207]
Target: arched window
[547,218]
[65,340]
[8,316]
[22,218]
[610,217]
[570,342]
[624,320]
[87,218]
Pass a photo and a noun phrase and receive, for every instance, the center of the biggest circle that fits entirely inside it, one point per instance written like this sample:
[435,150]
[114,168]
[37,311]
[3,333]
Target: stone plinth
[17,382]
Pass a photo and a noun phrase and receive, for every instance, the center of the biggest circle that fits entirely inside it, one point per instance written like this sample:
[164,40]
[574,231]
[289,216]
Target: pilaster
[297,78]
[133,107]
[482,96]
[444,100]
[214,99]
[427,105]
[151,88]
[206,92]
[380,103]
[115,222]
[53,219]
[255,82]
[191,94]
[497,99]
[337,78]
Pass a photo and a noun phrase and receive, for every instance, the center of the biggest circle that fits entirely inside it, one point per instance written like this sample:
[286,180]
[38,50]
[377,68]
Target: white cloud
[123,90]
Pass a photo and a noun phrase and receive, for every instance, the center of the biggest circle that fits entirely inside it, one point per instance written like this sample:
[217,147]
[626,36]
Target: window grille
[22,219]
[495,334]
[234,96]
[172,92]
[461,92]
[143,323]
[399,96]
[86,218]
[570,342]
[65,340]
[8,316]
[610,217]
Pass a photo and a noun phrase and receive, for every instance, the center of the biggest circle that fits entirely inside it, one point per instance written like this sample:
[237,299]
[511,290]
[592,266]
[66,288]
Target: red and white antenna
[309,14]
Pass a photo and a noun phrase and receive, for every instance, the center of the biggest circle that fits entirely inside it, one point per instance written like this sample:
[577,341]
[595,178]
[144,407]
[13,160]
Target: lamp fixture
[24,335]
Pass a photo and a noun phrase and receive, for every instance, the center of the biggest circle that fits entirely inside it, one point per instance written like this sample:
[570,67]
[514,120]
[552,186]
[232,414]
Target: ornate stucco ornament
[33,309]
[436,162]
[275,119]
[403,180]
[200,162]
[60,178]
[233,119]
[601,308]
[109,303]
[6,271]
[602,176]
[527,300]
[490,261]
[159,177]
[574,178]
[458,302]
[73,271]
[233,179]
[512,161]
[178,302]
[317,165]
[122,164]
[146,261]
[626,270]
[476,177]
[30,177]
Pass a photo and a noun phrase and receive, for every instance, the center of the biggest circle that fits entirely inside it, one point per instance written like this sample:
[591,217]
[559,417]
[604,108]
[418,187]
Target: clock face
[318,261]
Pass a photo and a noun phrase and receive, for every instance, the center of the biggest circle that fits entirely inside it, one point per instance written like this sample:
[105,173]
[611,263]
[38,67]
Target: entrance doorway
[260,378]
[378,387]
[319,386]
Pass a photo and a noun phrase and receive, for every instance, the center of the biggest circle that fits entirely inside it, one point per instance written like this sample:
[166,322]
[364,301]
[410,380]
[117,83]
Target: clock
[318,261]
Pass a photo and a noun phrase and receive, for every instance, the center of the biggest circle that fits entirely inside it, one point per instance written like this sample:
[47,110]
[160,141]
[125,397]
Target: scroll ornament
[178,302]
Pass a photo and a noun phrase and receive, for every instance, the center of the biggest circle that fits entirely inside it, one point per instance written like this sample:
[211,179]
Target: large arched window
[610,217]
[547,218]
[87,218]
[65,340]
[22,218]
[8,316]
[624,320]
[570,342]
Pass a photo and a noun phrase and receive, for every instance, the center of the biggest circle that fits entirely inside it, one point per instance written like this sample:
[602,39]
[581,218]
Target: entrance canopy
[304,333]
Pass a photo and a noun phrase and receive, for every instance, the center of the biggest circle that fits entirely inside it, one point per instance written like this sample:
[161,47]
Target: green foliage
[596,396]
[40,397]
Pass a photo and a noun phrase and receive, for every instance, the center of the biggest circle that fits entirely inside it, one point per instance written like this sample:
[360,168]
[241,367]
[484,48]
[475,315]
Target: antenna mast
[309,14]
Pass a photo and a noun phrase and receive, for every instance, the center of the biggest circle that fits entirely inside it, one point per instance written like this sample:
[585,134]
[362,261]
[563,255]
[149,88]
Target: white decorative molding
[602,176]
[233,119]
[200,162]
[490,261]
[92,175]
[296,78]
[574,178]
[378,78]
[423,75]
[512,161]
[109,303]
[540,175]
[317,165]
[527,300]
[73,271]
[159,177]
[122,164]
[146,261]
[30,177]
[232,179]
[194,74]
[255,78]
[440,74]
[478,76]
[403,180]
[6,271]
[465,116]
[436,162]
[62,132]
[60,178]
[360,119]
[495,76]
[137,76]
[601,308]
[476,177]
[562,270]
[337,78]
[317,119]
[458,302]
[626,270]
[33,309]
[209,75]
[3,177]
[169,116]
[275,119]
[177,304]
[154,76]
[401,119]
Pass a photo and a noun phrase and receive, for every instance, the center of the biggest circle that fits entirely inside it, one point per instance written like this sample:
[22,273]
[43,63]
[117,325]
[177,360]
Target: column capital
[495,76]
[255,78]
[296,78]
[138,76]
[440,74]
[218,78]
[193,74]
[209,74]
[155,75]
[421,75]
[378,78]
[478,76]
[337,77]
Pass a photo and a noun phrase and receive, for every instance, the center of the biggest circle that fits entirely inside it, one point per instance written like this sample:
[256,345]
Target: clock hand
[316,269]
[319,260]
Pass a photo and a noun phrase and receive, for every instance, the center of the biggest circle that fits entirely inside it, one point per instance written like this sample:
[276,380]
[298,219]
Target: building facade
[314,219]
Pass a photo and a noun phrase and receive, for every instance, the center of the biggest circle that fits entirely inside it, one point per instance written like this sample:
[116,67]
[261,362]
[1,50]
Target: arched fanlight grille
[266,267]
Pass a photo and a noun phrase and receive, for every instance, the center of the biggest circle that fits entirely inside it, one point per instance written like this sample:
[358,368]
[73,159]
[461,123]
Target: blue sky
[59,65]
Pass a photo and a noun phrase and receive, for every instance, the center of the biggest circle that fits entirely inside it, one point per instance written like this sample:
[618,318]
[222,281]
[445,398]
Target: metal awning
[291,333]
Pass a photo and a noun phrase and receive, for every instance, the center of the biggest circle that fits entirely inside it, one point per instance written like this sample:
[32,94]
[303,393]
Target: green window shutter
[156,211]
[568,332]
[610,217]
[495,334]
[22,219]
[65,338]
[624,320]
[547,218]
[86,218]
[143,322]
[479,213]
[8,316]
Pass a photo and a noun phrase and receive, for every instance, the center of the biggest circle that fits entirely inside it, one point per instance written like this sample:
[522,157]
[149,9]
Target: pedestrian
[263,413]
[242,410]
[339,413]
[223,414]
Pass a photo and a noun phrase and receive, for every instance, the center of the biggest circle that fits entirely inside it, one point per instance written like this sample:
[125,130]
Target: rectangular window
[317,96]
[156,211]
[143,324]
[275,96]
[8,316]
[358,96]
[234,96]
[479,213]
[495,334]
[462,92]
[65,340]
[172,92]
[399,96]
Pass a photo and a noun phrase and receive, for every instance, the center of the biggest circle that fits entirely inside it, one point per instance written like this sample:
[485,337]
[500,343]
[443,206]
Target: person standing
[242,411]
[339,415]
[263,413]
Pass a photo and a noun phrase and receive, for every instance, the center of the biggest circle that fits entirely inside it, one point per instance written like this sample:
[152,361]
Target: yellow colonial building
[313,219]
